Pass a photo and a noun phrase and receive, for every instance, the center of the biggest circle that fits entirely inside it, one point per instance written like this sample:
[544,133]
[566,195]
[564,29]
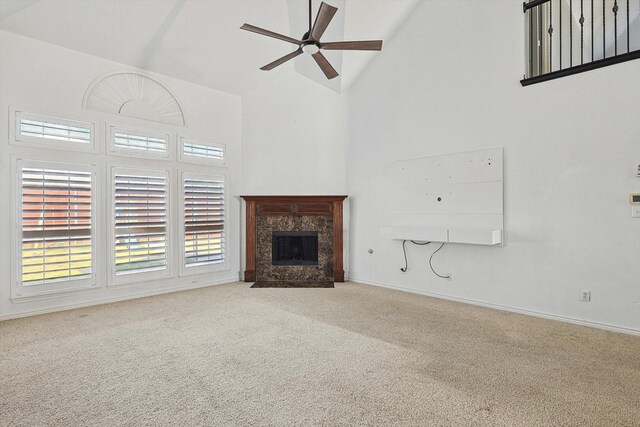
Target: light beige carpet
[354,355]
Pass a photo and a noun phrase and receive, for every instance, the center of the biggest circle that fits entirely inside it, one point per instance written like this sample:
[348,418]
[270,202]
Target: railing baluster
[604,30]
[550,36]
[581,31]
[615,25]
[627,26]
[570,33]
[560,34]
[592,39]
[540,40]
[530,43]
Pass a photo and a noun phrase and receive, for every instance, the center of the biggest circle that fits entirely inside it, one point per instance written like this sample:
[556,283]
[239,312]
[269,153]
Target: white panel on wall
[463,183]
[461,193]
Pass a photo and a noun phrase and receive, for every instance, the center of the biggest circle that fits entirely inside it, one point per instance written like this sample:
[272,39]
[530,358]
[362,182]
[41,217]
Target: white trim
[16,137]
[206,268]
[69,290]
[139,277]
[140,73]
[123,151]
[19,291]
[186,158]
[566,319]
[144,294]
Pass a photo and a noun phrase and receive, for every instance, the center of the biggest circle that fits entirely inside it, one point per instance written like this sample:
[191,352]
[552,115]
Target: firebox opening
[294,248]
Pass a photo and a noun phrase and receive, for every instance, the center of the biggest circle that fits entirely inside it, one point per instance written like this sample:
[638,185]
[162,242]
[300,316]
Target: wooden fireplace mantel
[295,206]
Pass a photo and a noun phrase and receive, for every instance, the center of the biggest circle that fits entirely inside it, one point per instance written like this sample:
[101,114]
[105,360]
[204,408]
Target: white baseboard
[566,319]
[101,301]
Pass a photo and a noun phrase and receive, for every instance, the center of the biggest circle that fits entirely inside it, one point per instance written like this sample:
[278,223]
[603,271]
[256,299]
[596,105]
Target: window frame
[204,268]
[186,158]
[138,277]
[18,290]
[111,148]
[31,141]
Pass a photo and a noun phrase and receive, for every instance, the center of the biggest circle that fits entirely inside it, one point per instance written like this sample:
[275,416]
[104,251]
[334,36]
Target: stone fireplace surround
[265,214]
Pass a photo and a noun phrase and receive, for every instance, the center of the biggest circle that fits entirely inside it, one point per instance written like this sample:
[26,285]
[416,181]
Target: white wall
[449,82]
[46,79]
[294,137]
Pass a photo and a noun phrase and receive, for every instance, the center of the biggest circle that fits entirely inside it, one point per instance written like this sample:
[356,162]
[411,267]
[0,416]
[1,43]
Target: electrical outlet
[585,296]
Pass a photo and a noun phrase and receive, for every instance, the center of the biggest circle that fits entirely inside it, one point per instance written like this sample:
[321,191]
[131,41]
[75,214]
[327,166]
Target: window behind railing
[565,37]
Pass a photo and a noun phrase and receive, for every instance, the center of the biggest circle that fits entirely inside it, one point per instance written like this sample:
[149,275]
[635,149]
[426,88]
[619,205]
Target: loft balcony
[565,37]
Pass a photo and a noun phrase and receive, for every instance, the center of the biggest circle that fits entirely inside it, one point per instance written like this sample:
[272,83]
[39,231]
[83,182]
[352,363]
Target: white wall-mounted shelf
[475,236]
[422,234]
[445,235]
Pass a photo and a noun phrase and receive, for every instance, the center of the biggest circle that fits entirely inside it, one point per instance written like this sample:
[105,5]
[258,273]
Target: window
[204,220]
[140,217]
[139,142]
[53,132]
[201,151]
[56,241]
[90,202]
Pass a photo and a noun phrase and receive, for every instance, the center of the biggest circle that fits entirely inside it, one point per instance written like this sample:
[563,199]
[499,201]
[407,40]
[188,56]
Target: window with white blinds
[53,132]
[193,150]
[56,225]
[204,220]
[140,214]
[139,142]
[50,130]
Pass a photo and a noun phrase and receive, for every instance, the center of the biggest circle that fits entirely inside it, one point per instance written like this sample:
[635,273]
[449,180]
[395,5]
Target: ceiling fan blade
[268,33]
[353,45]
[282,60]
[325,66]
[323,18]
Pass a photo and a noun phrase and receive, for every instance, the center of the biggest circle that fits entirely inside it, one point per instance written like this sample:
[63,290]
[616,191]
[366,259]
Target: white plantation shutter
[56,225]
[55,131]
[204,220]
[140,142]
[140,222]
[202,151]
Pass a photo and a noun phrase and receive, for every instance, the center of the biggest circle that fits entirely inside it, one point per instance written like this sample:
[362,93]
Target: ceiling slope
[200,41]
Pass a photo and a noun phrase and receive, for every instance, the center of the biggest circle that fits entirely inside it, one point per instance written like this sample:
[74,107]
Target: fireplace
[294,248]
[294,239]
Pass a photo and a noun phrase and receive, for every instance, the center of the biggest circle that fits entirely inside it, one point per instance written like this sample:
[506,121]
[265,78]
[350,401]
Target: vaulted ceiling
[200,40]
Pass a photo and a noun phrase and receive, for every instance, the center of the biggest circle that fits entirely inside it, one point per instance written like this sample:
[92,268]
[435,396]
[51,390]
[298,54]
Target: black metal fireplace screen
[294,248]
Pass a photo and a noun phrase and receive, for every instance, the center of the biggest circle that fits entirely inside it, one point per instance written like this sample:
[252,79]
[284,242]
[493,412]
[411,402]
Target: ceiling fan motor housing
[310,48]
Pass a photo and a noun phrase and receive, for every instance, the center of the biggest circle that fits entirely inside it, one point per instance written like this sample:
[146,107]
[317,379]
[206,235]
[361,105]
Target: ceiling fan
[310,42]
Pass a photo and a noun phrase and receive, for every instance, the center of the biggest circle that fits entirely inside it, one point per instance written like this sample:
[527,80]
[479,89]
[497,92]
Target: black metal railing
[566,37]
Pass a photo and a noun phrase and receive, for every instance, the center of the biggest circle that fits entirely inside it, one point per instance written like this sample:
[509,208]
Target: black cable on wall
[406,263]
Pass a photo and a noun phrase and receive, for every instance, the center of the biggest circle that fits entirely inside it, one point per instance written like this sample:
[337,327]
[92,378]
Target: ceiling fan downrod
[309,32]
